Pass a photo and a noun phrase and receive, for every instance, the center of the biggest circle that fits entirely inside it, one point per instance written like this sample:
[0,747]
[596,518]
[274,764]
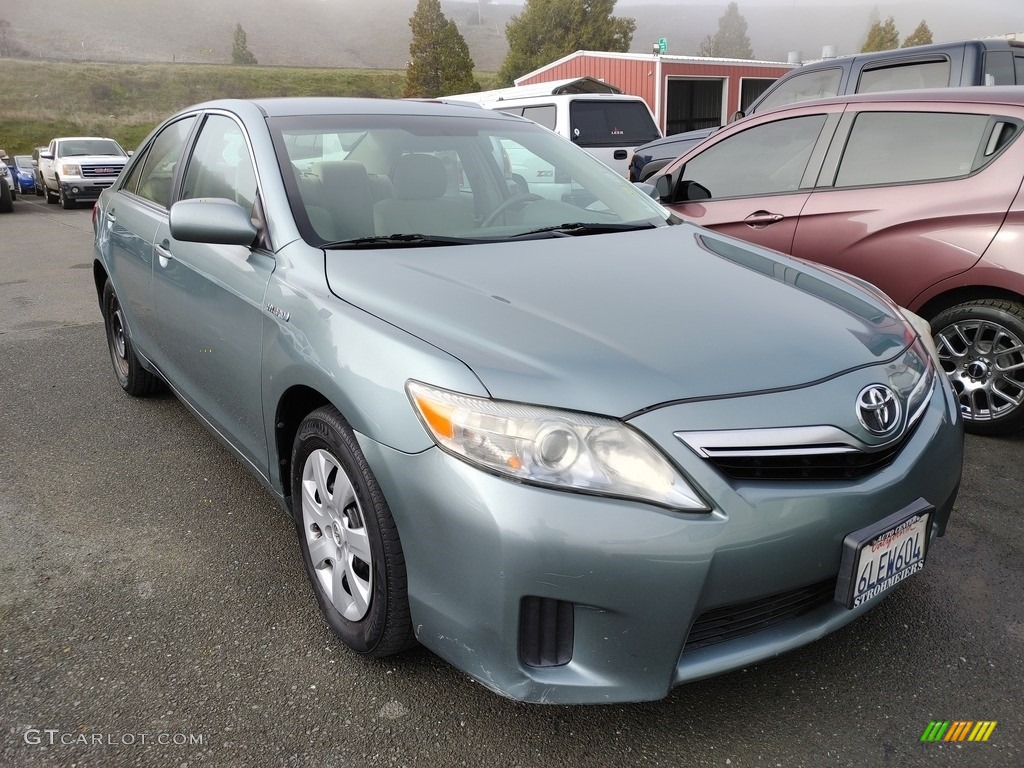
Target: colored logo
[958,730]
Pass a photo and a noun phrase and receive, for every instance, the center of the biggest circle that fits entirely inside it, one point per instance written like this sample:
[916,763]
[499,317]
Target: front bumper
[84,189]
[636,577]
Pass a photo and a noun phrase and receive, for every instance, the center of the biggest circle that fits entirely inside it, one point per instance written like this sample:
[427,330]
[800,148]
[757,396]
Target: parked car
[917,192]
[7,193]
[77,168]
[581,450]
[993,61]
[24,174]
[594,115]
[37,163]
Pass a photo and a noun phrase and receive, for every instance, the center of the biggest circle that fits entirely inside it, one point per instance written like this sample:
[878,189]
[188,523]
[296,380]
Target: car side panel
[209,302]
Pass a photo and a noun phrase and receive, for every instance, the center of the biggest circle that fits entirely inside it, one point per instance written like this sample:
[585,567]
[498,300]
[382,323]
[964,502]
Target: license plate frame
[883,554]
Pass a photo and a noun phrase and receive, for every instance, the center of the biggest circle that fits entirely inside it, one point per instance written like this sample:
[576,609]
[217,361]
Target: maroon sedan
[917,192]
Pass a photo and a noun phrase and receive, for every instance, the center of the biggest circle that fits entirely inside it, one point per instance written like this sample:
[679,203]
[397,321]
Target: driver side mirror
[737,115]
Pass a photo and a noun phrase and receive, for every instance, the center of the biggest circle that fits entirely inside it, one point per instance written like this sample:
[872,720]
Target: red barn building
[684,92]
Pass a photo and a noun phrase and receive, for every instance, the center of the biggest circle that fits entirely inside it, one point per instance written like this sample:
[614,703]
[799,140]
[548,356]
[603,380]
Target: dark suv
[918,192]
[996,61]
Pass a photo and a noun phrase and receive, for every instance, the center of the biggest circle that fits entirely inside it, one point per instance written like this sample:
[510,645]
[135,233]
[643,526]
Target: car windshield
[23,161]
[83,147]
[364,181]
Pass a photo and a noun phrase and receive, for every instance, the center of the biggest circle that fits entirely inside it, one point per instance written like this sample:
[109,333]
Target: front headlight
[550,447]
[68,169]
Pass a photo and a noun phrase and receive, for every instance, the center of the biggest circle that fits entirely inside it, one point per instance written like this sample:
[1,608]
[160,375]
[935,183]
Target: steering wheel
[520,199]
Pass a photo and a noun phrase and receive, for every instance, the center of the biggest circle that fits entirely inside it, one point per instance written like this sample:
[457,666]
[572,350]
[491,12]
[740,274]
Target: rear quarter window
[903,147]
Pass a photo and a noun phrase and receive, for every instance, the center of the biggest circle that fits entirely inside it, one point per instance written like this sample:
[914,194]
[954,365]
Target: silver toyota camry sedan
[520,413]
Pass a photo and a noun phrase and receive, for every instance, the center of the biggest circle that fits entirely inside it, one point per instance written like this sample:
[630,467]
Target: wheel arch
[295,404]
[100,277]
[962,295]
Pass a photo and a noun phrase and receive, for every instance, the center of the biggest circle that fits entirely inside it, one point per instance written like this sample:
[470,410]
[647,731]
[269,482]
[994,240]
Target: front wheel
[349,541]
[133,378]
[981,349]
[65,202]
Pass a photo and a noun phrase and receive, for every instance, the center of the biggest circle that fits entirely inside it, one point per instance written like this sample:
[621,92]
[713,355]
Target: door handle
[761,219]
[163,254]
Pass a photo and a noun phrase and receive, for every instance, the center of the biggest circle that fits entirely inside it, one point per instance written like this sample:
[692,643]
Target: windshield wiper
[572,229]
[399,241]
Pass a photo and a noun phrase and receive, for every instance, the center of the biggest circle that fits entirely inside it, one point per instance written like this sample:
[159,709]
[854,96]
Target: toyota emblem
[878,409]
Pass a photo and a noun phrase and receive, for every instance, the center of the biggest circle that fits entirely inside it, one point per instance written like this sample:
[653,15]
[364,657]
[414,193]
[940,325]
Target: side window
[809,85]
[1018,68]
[545,115]
[927,74]
[763,160]
[901,147]
[220,165]
[998,68]
[131,183]
[157,174]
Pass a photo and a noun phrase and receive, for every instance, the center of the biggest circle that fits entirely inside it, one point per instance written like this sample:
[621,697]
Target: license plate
[879,557]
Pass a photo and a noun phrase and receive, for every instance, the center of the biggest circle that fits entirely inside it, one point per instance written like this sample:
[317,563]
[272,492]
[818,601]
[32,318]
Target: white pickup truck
[78,168]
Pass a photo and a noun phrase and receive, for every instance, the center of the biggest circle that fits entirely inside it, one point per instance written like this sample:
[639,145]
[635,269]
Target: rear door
[909,198]
[752,183]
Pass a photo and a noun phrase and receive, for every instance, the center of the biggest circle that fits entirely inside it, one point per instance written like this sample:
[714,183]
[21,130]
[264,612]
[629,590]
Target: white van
[594,115]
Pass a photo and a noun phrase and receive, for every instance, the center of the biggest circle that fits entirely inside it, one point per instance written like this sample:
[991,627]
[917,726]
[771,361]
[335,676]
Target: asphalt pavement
[154,610]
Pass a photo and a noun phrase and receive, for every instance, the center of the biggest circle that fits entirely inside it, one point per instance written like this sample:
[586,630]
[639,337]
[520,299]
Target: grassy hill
[44,99]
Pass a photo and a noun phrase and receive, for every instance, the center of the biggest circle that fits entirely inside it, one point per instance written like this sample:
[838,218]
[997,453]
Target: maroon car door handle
[760,219]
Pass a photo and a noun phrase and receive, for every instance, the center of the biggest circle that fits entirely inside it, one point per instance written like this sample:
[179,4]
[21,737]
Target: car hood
[114,161]
[618,323]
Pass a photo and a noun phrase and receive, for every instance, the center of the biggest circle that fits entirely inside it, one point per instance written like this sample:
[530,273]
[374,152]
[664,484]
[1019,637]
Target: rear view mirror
[664,186]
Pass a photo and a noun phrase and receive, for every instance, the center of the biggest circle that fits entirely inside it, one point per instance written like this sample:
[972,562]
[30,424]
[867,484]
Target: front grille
[100,171]
[793,453]
[733,621]
[839,465]
[545,631]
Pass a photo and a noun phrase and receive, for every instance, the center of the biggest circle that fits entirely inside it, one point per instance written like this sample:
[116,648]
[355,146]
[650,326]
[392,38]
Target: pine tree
[439,63]
[731,40]
[240,53]
[547,30]
[922,35]
[882,36]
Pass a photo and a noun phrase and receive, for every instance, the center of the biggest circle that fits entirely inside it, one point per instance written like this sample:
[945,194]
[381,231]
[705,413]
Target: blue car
[580,449]
[24,174]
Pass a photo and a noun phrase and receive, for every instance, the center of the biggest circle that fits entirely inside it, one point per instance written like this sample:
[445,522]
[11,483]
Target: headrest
[419,176]
[341,173]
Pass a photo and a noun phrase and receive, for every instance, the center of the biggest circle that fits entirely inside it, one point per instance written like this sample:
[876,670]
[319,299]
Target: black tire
[6,199]
[133,378]
[340,511]
[51,196]
[981,348]
[65,202]
[39,185]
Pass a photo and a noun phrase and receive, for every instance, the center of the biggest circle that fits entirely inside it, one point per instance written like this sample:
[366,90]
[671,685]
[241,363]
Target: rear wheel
[981,348]
[348,538]
[133,378]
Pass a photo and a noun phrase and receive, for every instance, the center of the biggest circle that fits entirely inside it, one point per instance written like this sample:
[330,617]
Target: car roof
[328,105]
[975,94]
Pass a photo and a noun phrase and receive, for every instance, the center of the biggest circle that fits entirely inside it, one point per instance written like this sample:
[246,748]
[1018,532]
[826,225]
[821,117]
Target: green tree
[882,36]
[240,53]
[547,30]
[922,35]
[439,63]
[730,41]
